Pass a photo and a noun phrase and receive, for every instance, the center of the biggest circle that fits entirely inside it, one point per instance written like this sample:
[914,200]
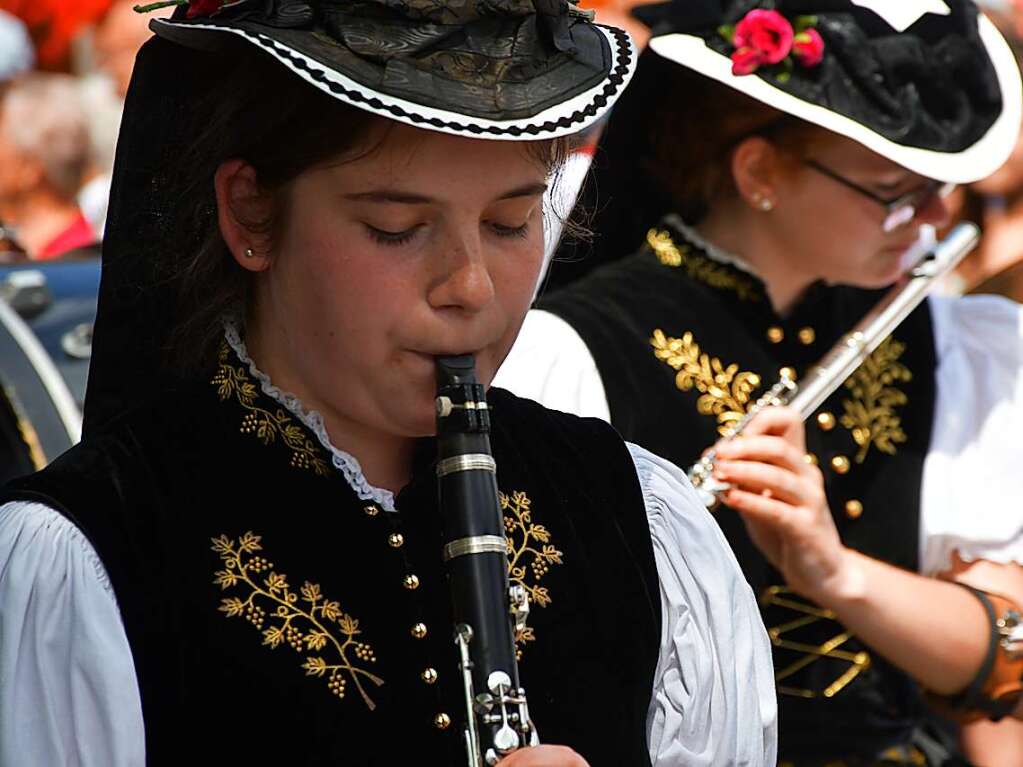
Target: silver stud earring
[249,253]
[766,205]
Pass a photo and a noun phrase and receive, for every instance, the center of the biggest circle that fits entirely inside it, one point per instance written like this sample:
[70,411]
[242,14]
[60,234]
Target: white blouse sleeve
[972,489]
[68,691]
[713,702]
[552,365]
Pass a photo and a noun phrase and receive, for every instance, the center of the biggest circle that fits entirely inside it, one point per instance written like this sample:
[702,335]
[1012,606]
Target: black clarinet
[487,610]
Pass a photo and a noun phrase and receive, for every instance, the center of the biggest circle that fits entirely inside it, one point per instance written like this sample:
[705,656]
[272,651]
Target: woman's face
[836,233]
[429,245]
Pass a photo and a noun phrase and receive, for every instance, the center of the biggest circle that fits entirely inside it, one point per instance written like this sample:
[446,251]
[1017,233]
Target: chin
[887,267]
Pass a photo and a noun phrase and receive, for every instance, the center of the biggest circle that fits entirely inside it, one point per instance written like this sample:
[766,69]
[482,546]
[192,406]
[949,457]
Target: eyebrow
[408,198]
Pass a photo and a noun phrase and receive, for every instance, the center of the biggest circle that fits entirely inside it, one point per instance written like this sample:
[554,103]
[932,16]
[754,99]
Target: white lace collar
[712,250]
[346,463]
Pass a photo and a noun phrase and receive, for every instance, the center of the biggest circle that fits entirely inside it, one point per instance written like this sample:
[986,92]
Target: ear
[239,203]
[756,170]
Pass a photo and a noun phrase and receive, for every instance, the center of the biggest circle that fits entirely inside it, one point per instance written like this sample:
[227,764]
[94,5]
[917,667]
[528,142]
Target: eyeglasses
[899,210]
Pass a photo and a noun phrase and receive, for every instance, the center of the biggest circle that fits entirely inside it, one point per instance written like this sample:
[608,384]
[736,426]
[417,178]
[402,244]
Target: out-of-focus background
[64,71]
[65,67]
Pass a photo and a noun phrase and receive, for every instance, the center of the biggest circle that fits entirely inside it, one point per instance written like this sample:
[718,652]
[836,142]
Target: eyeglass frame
[899,210]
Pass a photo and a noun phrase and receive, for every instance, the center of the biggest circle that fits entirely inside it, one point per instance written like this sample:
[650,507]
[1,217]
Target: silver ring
[466,462]
[480,544]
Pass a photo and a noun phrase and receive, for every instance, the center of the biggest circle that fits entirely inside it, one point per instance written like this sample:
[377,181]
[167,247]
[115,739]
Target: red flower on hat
[203,8]
[767,38]
[746,61]
[808,48]
[768,33]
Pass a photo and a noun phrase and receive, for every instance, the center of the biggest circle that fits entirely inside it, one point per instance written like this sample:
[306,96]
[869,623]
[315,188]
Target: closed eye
[385,237]
[510,231]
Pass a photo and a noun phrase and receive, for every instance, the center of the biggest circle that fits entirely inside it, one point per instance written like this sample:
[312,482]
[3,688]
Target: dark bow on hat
[298,14]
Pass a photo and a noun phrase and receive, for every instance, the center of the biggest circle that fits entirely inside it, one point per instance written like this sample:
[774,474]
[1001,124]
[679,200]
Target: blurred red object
[54,24]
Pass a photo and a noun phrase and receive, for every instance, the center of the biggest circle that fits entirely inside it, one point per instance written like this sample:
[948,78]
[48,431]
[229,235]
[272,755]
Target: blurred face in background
[16,170]
[829,218]
[44,141]
[117,39]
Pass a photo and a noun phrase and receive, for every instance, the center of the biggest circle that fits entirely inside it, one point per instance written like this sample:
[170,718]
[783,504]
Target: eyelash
[511,231]
[397,239]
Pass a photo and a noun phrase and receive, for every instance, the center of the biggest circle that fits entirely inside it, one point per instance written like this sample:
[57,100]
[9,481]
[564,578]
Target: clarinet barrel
[487,610]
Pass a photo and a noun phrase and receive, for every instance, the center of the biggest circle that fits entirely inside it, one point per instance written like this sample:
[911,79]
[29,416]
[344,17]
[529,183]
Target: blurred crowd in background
[64,72]
[65,69]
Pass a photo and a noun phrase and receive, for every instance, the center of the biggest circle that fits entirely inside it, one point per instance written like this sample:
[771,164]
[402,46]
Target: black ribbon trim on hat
[615,81]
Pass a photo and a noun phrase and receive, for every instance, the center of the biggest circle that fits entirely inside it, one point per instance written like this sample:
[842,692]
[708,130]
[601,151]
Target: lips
[435,354]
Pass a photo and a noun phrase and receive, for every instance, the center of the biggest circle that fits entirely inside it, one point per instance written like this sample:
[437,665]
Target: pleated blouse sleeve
[68,691]
[972,490]
[713,700]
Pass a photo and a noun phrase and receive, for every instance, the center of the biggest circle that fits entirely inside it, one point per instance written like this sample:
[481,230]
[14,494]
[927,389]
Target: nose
[935,210]
[463,280]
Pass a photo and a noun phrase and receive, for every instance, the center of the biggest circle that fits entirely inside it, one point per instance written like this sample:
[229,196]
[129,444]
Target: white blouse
[69,695]
[972,485]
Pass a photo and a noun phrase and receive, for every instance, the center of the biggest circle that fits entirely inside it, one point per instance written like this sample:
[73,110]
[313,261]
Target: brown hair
[259,112]
[701,123]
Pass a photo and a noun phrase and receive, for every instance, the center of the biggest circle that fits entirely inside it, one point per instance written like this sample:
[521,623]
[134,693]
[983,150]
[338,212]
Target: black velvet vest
[276,618]
[684,344]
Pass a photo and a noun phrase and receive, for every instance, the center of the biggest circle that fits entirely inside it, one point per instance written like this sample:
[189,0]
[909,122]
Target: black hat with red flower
[929,84]
[489,68]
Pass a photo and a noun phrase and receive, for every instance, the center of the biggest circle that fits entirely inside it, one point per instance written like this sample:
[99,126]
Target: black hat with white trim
[488,68]
[508,70]
[929,84]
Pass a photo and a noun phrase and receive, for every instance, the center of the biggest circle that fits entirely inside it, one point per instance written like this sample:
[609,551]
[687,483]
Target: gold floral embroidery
[698,266]
[267,426]
[530,553]
[312,623]
[870,413]
[806,615]
[725,392]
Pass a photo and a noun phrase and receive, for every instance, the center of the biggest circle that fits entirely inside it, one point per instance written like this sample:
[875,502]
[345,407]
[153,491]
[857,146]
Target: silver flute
[848,354]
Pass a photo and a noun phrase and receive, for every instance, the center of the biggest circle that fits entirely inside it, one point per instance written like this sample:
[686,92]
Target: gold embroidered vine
[725,392]
[870,413]
[529,551]
[267,426]
[306,624]
[698,266]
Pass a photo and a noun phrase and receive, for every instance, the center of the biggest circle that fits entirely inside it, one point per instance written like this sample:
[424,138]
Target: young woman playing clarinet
[244,561]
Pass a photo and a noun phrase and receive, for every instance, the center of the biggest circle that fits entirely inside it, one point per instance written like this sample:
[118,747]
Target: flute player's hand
[780,496]
[544,756]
